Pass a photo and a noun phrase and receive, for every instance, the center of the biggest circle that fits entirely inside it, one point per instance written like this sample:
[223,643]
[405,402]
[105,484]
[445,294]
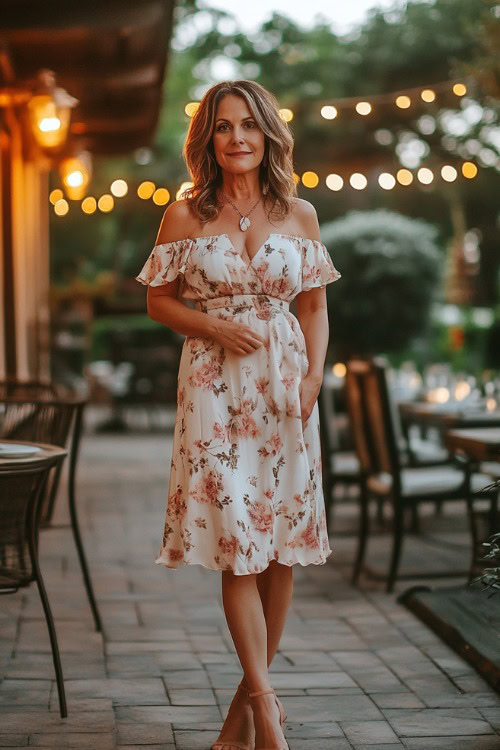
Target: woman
[245,493]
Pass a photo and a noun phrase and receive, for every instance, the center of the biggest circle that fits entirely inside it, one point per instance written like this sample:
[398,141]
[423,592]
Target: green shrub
[390,268]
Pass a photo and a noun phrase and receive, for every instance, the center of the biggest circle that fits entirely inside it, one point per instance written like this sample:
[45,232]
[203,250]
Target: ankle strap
[260,692]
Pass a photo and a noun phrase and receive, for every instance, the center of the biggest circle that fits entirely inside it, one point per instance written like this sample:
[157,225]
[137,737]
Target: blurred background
[394,111]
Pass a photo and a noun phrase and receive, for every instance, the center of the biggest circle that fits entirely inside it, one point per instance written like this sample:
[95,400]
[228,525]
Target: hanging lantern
[75,174]
[49,111]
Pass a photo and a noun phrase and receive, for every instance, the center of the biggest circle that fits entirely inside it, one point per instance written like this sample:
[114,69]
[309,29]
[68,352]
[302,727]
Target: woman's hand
[309,388]
[237,337]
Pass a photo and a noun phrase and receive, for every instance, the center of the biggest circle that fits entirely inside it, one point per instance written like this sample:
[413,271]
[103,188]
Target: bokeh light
[310,179]
[449,173]
[146,190]
[89,205]
[119,188]
[425,176]
[469,170]
[61,207]
[334,182]
[363,108]
[403,102]
[386,181]
[329,112]
[161,196]
[106,203]
[358,181]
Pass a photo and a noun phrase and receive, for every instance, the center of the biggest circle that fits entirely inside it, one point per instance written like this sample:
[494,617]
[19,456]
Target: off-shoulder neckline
[225,234]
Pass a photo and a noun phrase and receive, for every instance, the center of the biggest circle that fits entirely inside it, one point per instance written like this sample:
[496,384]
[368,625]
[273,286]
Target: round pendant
[244,223]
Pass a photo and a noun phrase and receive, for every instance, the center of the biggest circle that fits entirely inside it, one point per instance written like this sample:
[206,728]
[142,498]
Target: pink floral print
[245,483]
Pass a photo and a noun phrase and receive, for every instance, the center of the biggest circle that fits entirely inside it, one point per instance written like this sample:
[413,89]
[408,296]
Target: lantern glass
[49,122]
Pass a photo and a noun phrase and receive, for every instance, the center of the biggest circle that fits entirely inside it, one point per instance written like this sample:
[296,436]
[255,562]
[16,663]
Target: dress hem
[185,563]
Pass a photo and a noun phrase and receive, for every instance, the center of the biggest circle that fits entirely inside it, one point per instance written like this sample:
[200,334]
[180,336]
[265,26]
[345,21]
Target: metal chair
[388,479]
[58,422]
[21,489]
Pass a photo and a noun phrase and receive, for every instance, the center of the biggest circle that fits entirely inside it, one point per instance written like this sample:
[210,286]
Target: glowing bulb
[146,190]
[191,108]
[459,89]
[358,181]
[119,188]
[310,179]
[363,108]
[334,182]
[462,390]
[161,196]
[184,186]
[329,112]
[425,176]
[49,124]
[74,179]
[61,208]
[428,95]
[105,203]
[55,196]
[449,173]
[404,177]
[386,180]
[339,369]
[89,205]
[469,170]
[403,102]
[286,114]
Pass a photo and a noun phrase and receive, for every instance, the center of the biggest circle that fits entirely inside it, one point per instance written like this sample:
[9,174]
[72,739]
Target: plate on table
[18,450]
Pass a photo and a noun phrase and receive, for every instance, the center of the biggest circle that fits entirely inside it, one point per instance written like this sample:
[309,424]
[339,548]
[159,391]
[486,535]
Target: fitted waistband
[241,300]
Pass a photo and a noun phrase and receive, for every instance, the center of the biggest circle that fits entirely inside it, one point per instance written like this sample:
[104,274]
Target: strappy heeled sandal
[282,715]
[226,745]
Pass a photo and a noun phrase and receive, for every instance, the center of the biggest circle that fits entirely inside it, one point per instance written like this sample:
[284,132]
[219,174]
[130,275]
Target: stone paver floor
[355,669]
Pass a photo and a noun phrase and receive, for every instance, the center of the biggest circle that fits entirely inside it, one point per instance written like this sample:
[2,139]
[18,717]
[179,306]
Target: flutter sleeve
[166,262]
[317,266]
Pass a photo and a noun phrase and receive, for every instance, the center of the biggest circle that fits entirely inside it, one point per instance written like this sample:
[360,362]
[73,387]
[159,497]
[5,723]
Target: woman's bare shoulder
[176,223]
[306,218]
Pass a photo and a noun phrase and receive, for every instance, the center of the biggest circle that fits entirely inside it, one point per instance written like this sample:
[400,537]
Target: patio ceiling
[110,55]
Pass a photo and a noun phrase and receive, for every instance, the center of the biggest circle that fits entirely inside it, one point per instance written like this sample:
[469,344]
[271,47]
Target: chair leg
[364,523]
[415,519]
[50,621]
[76,528]
[397,543]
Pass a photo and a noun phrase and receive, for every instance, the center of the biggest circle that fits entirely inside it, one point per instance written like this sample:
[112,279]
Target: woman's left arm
[312,313]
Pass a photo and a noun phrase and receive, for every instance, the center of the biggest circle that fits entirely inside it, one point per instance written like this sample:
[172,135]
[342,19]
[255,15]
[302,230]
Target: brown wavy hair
[276,169]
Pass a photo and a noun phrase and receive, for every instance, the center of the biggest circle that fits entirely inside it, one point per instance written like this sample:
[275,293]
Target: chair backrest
[40,422]
[380,419]
[20,492]
[356,372]
[27,389]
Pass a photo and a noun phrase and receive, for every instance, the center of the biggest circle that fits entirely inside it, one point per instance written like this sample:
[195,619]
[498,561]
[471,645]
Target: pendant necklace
[244,220]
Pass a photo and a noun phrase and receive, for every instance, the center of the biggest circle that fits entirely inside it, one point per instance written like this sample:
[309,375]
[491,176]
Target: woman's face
[238,141]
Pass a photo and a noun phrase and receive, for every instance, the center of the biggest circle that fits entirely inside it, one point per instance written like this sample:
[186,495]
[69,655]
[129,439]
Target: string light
[358,181]
[329,112]
[310,179]
[428,95]
[363,108]
[119,188]
[184,186]
[161,196]
[386,181]
[449,173]
[459,89]
[61,207]
[191,108]
[146,190]
[89,205]
[425,175]
[106,203]
[403,102]
[404,177]
[334,182]
[55,196]
[469,170]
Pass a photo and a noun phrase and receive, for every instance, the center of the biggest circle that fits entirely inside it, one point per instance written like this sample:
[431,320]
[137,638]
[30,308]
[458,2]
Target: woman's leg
[256,607]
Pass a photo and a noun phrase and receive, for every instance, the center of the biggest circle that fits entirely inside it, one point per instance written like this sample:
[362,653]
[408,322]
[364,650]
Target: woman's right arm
[164,307]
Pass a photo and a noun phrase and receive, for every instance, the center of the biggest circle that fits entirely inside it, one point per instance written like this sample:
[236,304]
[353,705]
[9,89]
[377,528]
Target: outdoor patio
[356,669]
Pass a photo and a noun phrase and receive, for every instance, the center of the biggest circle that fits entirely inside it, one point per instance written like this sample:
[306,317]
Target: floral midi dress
[245,483]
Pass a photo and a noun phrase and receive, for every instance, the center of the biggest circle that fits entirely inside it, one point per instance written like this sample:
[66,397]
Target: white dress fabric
[245,482]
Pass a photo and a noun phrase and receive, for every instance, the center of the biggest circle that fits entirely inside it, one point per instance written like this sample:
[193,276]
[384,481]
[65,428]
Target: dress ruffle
[166,262]
[317,266]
